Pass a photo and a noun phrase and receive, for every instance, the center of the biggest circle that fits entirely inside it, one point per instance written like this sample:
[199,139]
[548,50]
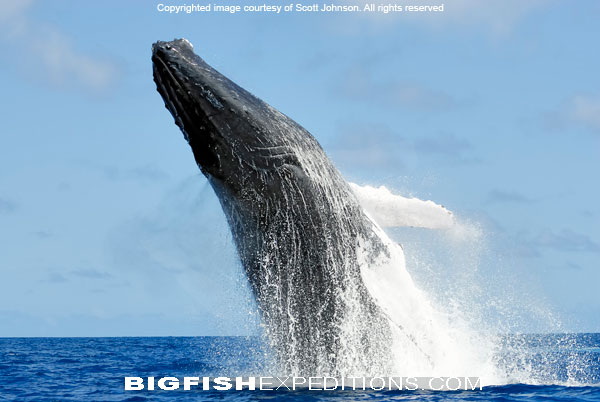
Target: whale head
[235,137]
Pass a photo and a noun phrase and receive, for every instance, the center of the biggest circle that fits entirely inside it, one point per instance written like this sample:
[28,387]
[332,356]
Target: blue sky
[108,228]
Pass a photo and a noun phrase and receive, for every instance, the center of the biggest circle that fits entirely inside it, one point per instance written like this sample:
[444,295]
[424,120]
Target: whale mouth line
[194,118]
[181,102]
[174,91]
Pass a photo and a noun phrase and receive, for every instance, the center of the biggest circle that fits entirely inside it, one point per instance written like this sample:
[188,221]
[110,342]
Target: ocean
[563,368]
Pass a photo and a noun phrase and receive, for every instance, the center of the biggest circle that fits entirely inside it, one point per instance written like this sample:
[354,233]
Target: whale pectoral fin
[391,210]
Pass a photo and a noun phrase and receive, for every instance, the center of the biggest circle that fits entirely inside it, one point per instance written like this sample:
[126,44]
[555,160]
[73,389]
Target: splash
[426,342]
[449,318]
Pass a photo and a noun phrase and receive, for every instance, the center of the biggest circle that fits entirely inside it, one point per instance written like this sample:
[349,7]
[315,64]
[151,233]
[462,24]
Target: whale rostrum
[300,232]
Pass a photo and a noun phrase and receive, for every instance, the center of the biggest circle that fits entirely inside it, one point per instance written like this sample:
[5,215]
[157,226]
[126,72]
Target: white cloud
[578,111]
[11,8]
[586,110]
[360,84]
[499,17]
[48,53]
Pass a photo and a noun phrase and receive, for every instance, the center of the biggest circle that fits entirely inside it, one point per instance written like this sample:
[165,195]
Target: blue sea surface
[93,369]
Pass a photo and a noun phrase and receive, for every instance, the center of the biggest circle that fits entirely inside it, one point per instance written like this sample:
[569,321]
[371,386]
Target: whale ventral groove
[299,231]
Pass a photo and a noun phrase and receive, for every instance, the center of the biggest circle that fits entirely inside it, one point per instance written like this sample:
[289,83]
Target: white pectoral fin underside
[391,210]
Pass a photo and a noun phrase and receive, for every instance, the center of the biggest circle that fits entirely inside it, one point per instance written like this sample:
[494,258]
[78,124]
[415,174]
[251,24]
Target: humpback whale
[299,230]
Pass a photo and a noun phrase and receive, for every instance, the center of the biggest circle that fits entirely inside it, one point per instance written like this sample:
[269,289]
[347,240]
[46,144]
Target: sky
[107,228]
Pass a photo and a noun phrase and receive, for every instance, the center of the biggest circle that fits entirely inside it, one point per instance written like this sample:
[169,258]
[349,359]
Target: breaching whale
[299,230]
